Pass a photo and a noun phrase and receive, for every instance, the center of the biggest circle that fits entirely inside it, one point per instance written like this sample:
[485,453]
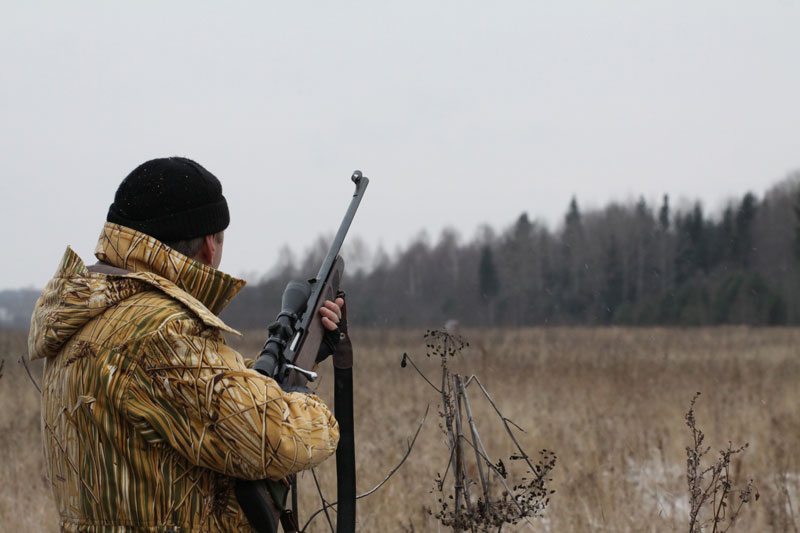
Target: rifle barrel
[336,246]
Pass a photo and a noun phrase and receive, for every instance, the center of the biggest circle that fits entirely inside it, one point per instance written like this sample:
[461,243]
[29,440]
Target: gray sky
[460,112]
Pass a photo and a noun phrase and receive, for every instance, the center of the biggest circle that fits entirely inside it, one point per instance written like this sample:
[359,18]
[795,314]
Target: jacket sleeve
[193,392]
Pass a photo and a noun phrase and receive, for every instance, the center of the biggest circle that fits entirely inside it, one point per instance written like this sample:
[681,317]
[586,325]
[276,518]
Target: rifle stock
[310,330]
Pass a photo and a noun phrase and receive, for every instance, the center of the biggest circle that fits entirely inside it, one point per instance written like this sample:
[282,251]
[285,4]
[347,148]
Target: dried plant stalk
[714,500]
[517,501]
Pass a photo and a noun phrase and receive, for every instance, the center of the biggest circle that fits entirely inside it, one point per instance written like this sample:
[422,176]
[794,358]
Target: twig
[506,423]
[785,493]
[385,479]
[496,471]
[461,488]
[407,359]
[405,456]
[719,511]
[502,481]
[446,469]
[322,499]
[452,442]
[476,438]
[23,361]
[712,499]
[475,378]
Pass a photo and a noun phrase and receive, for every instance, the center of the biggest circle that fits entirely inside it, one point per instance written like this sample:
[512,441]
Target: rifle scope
[293,305]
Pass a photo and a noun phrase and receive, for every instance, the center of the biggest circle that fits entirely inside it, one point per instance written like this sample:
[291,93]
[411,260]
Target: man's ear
[208,249]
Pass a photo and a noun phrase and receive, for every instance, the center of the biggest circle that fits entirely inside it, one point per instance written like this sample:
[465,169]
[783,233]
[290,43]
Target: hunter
[148,417]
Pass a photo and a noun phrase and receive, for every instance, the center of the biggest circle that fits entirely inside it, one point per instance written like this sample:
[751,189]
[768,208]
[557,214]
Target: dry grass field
[610,403]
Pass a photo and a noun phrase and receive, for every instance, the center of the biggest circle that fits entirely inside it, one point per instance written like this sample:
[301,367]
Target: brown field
[609,402]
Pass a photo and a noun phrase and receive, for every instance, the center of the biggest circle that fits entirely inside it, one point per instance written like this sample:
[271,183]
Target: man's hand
[331,313]
[335,342]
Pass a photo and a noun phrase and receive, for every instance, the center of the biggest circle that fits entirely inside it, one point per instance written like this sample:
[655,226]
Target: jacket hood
[74,295]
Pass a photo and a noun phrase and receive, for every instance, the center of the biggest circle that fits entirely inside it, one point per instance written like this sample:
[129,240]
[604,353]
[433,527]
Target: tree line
[626,263]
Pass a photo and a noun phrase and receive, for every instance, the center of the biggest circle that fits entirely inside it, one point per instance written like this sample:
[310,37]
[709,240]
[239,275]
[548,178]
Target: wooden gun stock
[311,331]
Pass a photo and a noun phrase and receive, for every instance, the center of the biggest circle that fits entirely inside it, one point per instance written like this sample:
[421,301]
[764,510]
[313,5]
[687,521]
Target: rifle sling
[345,452]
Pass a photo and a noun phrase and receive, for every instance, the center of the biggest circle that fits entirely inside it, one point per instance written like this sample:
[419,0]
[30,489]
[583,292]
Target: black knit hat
[171,199]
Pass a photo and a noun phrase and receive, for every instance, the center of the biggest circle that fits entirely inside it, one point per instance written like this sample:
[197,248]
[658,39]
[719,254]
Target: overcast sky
[460,112]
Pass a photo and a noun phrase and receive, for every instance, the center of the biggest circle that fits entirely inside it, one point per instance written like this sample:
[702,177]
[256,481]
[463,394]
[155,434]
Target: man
[147,416]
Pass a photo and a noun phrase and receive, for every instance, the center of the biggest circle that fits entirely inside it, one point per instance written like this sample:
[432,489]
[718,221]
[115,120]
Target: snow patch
[655,480]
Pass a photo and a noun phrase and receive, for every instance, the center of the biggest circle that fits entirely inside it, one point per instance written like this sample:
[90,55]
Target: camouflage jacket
[147,414]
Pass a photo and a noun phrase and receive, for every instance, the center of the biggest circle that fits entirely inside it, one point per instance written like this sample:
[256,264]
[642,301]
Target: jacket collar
[151,260]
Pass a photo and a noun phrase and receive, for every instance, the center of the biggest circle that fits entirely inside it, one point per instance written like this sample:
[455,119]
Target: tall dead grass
[610,402]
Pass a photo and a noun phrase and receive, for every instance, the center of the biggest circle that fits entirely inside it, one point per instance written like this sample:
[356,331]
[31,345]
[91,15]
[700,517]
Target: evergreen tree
[487,275]
[573,253]
[520,270]
[664,239]
[664,215]
[692,254]
[743,236]
[641,249]
[724,245]
[572,221]
[488,282]
[613,292]
[522,228]
[796,209]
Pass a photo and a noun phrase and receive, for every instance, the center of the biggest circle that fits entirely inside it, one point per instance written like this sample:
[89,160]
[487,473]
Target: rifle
[290,356]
